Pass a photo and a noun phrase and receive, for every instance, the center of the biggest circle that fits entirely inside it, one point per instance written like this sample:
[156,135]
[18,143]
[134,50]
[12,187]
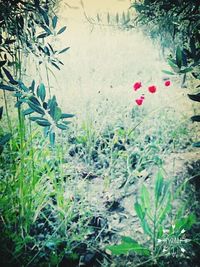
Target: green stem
[48,80]
[7,113]
[154,229]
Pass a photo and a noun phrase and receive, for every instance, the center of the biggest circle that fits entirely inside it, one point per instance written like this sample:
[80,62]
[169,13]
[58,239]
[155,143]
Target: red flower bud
[139,101]
[152,89]
[167,83]
[137,86]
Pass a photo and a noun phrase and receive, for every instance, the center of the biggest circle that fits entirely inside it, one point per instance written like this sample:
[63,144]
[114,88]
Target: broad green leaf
[28,111]
[36,108]
[128,239]
[127,247]
[61,126]
[41,92]
[57,114]
[139,211]
[179,57]
[54,22]
[43,122]
[175,68]
[185,223]
[146,227]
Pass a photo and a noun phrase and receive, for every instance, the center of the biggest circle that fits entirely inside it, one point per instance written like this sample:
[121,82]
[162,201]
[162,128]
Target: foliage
[155,219]
[20,21]
[4,138]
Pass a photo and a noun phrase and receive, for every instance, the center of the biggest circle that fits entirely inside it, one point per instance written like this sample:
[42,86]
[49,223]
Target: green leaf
[52,104]
[62,126]
[57,114]
[28,111]
[32,87]
[43,35]
[43,122]
[62,30]
[1,112]
[36,108]
[34,100]
[186,70]
[139,211]
[197,144]
[179,57]
[128,245]
[160,232]
[52,138]
[185,223]
[66,116]
[165,210]
[195,118]
[64,50]
[5,139]
[145,198]
[7,87]
[23,87]
[34,118]
[9,76]
[158,187]
[195,97]
[54,22]
[55,65]
[41,92]
[146,227]
[168,72]
[47,30]
[175,68]
[45,16]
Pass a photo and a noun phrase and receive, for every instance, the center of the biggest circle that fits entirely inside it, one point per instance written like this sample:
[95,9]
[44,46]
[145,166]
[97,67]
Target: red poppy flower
[167,83]
[137,86]
[152,89]
[139,101]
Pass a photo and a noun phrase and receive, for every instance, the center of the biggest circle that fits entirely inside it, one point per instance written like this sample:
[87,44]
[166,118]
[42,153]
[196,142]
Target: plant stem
[48,80]
[7,113]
